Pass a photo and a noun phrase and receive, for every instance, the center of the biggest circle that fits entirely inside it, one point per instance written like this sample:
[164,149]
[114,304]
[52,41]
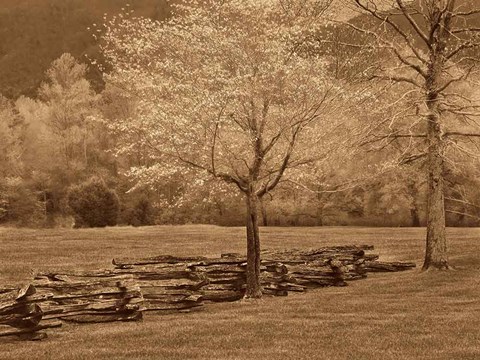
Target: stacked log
[19,309]
[99,296]
[166,282]
[225,279]
[328,266]
[176,283]
[172,283]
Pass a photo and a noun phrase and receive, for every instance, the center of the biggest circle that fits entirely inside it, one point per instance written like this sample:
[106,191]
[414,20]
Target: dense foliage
[94,204]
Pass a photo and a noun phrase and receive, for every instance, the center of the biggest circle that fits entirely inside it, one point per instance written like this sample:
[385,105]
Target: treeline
[58,167]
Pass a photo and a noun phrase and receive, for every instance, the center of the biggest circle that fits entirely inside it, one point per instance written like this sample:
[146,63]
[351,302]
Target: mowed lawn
[412,315]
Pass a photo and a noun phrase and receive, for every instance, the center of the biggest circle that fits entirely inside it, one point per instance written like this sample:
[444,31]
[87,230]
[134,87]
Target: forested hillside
[33,33]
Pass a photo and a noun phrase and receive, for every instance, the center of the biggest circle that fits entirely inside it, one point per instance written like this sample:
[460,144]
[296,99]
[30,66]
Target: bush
[94,204]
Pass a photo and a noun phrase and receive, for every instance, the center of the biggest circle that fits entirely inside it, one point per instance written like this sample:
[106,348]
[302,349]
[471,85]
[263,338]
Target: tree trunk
[263,208]
[254,289]
[436,242]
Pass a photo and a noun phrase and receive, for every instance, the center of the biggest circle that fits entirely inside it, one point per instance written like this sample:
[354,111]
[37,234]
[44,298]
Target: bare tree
[427,51]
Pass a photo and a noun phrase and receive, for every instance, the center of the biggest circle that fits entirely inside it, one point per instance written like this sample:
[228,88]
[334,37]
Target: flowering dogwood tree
[223,90]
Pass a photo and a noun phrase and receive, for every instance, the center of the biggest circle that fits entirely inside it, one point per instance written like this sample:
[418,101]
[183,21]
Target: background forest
[59,154]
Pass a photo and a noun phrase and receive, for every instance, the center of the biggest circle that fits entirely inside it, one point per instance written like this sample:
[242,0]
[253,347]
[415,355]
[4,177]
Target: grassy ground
[413,315]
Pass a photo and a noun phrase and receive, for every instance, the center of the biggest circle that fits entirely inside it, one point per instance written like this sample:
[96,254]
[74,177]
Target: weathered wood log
[318,252]
[382,266]
[273,291]
[292,287]
[175,284]
[24,316]
[275,267]
[284,286]
[161,259]
[216,293]
[72,276]
[225,279]
[19,309]
[186,302]
[7,289]
[370,257]
[110,308]
[218,269]
[33,330]
[161,291]
[145,272]
[83,296]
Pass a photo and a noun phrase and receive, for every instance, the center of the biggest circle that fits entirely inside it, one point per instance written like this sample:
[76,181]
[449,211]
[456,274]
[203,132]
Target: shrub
[93,204]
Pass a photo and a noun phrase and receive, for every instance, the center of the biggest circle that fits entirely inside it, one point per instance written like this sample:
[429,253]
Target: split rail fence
[173,284]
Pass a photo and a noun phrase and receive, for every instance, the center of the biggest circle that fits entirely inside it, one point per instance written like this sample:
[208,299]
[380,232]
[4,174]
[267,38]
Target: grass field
[412,315]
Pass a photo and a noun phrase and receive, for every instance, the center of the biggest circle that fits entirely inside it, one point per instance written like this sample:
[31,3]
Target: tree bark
[436,241]
[254,289]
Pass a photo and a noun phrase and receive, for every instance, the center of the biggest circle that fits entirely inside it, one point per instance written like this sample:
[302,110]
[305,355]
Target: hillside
[35,32]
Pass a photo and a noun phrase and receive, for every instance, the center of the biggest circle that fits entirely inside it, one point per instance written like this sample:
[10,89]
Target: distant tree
[70,100]
[427,51]
[397,198]
[19,203]
[63,145]
[223,92]
[12,136]
[94,204]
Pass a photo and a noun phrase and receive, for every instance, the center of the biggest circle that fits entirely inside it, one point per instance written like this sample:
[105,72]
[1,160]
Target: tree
[19,203]
[70,99]
[224,91]
[427,49]
[12,133]
[62,145]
